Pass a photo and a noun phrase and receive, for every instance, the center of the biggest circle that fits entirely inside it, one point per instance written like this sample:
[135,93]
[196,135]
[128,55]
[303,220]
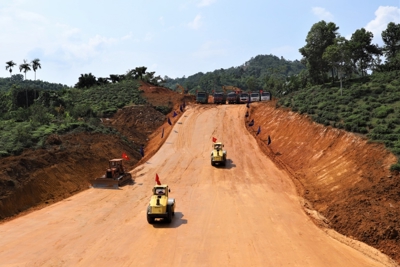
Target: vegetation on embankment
[29,115]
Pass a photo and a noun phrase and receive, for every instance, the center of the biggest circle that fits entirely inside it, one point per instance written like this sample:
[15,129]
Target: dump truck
[202,97]
[266,96]
[218,155]
[232,98]
[160,206]
[255,96]
[244,98]
[219,98]
[114,177]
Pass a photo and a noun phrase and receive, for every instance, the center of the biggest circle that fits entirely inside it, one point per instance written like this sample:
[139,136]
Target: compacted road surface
[244,214]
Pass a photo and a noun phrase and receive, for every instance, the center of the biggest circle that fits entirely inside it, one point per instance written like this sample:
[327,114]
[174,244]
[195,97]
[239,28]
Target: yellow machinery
[114,177]
[160,206]
[181,89]
[218,155]
[231,88]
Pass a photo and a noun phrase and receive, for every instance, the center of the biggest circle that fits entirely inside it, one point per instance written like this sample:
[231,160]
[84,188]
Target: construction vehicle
[160,206]
[244,98]
[218,155]
[266,96]
[202,97]
[219,98]
[114,177]
[232,98]
[255,96]
[181,89]
[231,88]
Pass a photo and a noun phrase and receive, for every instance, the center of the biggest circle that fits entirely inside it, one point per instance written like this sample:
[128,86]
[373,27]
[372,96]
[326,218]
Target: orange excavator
[231,88]
[181,89]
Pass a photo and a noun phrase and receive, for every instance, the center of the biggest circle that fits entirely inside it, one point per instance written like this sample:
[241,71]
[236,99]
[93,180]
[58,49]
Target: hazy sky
[173,38]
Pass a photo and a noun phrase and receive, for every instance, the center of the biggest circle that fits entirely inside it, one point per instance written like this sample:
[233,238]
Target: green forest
[263,72]
[32,110]
[351,84]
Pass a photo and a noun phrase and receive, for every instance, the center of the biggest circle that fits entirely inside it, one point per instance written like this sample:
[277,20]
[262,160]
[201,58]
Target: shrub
[382,111]
[163,109]
[395,167]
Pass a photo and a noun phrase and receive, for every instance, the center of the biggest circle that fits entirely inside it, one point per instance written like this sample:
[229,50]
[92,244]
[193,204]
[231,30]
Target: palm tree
[25,66]
[35,65]
[10,65]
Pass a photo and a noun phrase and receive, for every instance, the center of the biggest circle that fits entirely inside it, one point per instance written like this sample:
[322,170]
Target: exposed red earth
[315,196]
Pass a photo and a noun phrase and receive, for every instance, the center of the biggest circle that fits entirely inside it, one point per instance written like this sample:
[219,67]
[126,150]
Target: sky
[174,38]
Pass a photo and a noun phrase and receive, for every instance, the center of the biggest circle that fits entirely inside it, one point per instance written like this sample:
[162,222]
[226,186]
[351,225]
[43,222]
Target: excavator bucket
[105,183]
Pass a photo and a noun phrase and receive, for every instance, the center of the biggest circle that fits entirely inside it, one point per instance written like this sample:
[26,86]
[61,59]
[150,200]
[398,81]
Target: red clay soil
[37,178]
[344,179]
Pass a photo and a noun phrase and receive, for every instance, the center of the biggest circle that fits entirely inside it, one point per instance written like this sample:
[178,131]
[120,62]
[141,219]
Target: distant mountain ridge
[255,74]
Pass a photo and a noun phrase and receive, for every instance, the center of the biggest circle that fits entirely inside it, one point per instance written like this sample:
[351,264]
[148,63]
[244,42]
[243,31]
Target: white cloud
[127,37]
[49,40]
[87,50]
[196,23]
[383,15]
[322,14]
[205,3]
[211,49]
[29,16]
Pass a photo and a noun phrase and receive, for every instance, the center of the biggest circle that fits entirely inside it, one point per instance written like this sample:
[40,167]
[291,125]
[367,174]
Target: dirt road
[246,214]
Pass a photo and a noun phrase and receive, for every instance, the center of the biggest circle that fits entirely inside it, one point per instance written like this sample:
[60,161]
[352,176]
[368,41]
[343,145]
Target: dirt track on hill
[246,214]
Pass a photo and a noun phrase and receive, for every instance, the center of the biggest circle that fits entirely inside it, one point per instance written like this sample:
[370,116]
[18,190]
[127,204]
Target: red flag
[158,179]
[214,139]
[125,156]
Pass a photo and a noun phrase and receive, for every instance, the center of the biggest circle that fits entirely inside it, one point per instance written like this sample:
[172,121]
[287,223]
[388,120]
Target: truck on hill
[255,96]
[202,97]
[232,98]
[266,96]
[219,98]
[244,98]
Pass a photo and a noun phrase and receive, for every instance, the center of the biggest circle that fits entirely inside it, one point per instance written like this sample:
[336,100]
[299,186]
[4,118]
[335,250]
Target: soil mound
[344,179]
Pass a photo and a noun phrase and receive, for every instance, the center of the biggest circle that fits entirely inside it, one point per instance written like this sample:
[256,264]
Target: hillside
[253,196]
[344,180]
[369,106]
[260,72]
[65,165]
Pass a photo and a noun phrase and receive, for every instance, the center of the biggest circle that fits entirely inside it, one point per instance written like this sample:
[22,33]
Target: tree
[114,78]
[337,56]
[35,65]
[10,65]
[25,67]
[251,83]
[391,38]
[86,81]
[362,51]
[391,48]
[102,81]
[320,36]
[140,71]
